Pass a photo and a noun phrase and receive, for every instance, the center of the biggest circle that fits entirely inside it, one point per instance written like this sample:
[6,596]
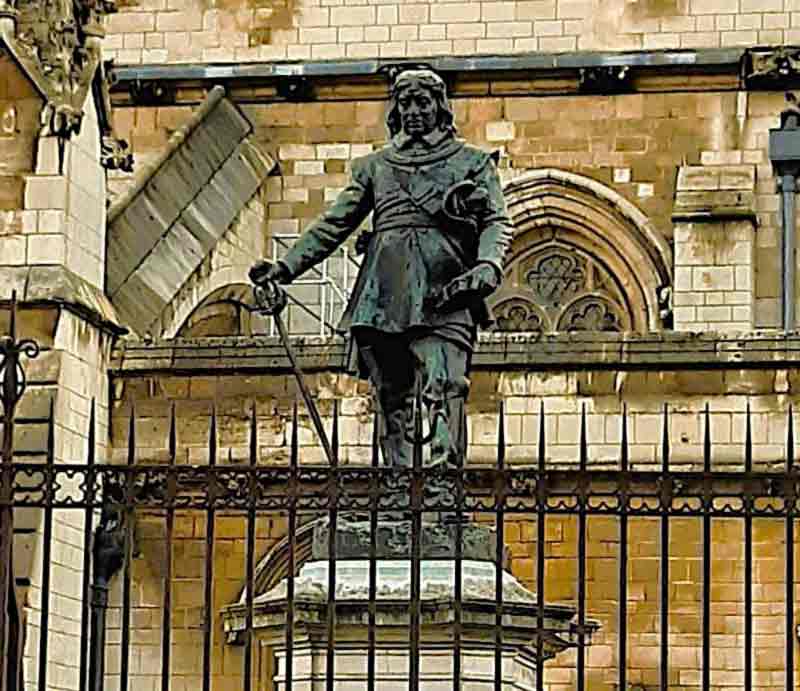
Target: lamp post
[784,152]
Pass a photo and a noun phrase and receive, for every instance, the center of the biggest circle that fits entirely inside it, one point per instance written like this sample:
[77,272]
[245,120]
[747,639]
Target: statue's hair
[426,79]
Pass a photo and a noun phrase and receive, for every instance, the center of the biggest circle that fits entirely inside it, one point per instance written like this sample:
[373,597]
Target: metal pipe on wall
[787,185]
[784,152]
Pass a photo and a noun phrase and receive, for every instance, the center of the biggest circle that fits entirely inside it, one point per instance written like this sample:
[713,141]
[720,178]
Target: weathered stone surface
[163,227]
[438,541]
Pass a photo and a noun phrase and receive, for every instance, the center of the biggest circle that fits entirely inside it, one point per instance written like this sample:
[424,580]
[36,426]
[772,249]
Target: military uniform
[415,250]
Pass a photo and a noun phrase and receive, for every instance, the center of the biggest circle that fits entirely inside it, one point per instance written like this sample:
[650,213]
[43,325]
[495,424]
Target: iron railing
[297,491]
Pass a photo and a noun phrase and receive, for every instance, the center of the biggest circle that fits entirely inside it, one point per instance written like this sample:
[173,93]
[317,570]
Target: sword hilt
[271,299]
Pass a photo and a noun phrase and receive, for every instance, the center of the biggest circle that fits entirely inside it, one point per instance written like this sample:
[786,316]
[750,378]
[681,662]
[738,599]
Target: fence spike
[707,440]
[584,443]
[51,432]
[132,436]
[335,432]
[173,436]
[12,320]
[375,440]
[293,457]
[623,452]
[790,440]
[542,440]
[501,435]
[92,436]
[253,435]
[665,440]
[748,440]
[212,437]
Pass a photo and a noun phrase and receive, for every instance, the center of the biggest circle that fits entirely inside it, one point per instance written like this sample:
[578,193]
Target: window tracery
[558,286]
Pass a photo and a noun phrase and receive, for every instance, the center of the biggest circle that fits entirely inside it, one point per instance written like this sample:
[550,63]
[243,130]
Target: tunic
[415,249]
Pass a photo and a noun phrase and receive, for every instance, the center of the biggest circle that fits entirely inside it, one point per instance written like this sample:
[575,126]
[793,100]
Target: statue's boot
[448,451]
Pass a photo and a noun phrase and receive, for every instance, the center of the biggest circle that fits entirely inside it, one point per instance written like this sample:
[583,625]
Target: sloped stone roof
[163,227]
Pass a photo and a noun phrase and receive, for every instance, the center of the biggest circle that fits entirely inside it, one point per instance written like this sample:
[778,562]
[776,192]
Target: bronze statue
[440,233]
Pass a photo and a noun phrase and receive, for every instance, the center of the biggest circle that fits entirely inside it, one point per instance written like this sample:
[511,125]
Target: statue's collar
[439,145]
[427,142]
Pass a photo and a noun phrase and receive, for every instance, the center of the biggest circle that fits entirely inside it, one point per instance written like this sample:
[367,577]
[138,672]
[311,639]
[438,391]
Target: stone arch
[594,256]
[273,567]
[232,303]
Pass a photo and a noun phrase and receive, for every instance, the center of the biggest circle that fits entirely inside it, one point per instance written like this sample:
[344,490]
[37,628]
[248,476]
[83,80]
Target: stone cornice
[667,351]
[496,75]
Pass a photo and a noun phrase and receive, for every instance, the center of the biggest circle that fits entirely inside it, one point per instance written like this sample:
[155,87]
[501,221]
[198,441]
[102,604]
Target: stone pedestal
[392,622]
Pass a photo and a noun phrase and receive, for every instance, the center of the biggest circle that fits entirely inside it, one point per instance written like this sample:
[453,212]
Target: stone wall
[160,31]
[64,374]
[634,144]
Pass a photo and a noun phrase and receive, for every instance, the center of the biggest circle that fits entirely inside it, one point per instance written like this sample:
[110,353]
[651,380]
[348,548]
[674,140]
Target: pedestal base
[439,623]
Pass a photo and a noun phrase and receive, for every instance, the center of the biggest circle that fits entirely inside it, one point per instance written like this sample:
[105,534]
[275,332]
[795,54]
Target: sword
[271,299]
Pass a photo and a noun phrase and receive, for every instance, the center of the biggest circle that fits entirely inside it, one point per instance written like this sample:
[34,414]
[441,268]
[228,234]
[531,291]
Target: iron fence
[111,496]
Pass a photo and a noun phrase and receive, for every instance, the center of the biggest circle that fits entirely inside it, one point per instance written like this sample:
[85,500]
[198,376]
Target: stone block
[12,250]
[455,12]
[713,278]
[352,16]
[46,249]
[500,131]
[536,9]
[46,192]
[698,178]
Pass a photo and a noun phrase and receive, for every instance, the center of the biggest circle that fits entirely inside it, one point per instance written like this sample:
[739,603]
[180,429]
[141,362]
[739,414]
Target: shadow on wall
[259,18]
[611,19]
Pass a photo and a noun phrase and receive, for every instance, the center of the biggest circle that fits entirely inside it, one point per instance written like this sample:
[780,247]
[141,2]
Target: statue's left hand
[478,282]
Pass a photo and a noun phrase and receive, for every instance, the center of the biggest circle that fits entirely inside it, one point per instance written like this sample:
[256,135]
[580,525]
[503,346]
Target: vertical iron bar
[748,557]
[790,507]
[623,554]
[417,501]
[47,546]
[333,516]
[208,597]
[87,549]
[373,555]
[125,641]
[707,551]
[251,550]
[584,454]
[459,561]
[166,617]
[292,527]
[541,503]
[8,389]
[500,494]
[666,505]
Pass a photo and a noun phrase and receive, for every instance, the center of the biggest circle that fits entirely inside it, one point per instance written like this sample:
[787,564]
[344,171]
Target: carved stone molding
[774,69]
[116,154]
[57,43]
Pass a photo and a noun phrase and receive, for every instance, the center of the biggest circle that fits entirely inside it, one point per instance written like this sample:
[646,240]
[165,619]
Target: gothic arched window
[556,286]
[582,259]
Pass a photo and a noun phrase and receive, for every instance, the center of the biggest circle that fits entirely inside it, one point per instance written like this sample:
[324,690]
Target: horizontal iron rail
[635,493]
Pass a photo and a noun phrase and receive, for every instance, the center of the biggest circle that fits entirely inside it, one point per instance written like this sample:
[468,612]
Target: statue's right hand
[264,271]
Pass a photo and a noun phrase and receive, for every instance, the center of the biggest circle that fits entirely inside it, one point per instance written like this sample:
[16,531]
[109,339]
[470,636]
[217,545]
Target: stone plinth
[393,541]
[392,621]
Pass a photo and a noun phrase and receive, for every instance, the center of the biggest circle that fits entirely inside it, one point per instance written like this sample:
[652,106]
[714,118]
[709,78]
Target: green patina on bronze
[440,234]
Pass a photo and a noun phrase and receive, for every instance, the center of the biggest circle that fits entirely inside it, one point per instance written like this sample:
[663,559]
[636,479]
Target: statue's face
[419,112]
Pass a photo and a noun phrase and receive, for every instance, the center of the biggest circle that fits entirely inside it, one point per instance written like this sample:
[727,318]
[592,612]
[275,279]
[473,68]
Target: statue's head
[418,104]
